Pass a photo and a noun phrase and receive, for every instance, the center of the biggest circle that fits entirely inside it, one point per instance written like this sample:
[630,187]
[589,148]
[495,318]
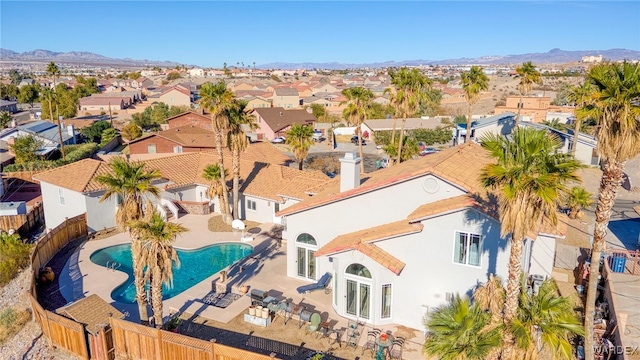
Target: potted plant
[316,355]
[174,323]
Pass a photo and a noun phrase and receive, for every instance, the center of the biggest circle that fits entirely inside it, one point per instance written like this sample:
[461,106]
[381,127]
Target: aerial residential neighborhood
[314,180]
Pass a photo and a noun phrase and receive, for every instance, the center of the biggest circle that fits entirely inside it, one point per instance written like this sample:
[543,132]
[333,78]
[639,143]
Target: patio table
[383,341]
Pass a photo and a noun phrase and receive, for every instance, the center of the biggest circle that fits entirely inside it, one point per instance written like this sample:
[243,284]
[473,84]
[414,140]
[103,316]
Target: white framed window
[385,309]
[61,195]
[251,205]
[467,248]
[177,149]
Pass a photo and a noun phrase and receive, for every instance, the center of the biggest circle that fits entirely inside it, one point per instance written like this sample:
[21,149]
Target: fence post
[212,356]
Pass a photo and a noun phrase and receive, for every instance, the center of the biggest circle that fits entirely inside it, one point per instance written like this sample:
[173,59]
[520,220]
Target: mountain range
[552,56]
[80,57]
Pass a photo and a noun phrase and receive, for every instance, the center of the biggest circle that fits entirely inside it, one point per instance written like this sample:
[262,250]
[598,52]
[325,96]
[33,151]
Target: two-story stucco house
[403,240]
[274,122]
[286,97]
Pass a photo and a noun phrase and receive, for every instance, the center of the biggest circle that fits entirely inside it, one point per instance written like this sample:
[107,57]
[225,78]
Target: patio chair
[395,352]
[321,284]
[371,341]
[314,324]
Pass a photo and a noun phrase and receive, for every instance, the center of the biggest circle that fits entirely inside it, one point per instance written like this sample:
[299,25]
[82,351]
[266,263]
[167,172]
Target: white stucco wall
[263,213]
[367,210]
[101,215]
[54,212]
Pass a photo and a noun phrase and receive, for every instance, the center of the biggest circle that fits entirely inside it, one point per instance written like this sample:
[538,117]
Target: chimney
[349,172]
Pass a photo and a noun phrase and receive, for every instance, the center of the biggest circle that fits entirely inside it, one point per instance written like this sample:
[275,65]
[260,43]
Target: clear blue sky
[209,33]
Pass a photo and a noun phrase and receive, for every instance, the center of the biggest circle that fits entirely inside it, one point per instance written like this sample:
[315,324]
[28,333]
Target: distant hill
[82,57]
[553,56]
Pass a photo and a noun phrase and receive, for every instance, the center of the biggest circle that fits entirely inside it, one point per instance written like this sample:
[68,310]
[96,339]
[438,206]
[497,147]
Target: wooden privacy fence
[23,223]
[60,331]
[135,341]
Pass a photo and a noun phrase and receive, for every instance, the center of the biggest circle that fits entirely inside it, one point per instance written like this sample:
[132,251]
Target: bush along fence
[118,339]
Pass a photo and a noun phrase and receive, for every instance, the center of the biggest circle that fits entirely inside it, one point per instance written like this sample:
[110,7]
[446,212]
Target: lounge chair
[321,284]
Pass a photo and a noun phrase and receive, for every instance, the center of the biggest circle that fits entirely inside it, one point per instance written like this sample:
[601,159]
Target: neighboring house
[534,108]
[452,96]
[286,97]
[73,189]
[401,241]
[586,145]
[324,88]
[142,82]
[191,118]
[256,102]
[381,100]
[497,124]
[130,97]
[8,106]
[371,126]
[176,96]
[100,103]
[275,121]
[25,82]
[188,138]
[196,72]
[45,131]
[317,100]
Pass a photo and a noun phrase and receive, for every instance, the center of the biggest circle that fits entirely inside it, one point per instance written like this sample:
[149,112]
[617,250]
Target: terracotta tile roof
[187,136]
[453,204]
[362,241]
[278,118]
[460,165]
[203,116]
[78,176]
[92,311]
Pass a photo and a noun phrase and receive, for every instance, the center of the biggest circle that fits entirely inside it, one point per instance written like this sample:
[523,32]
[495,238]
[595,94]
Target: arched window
[358,270]
[306,239]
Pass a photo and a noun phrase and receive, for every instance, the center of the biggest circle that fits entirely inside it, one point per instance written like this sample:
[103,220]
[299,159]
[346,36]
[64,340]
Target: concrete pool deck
[264,269]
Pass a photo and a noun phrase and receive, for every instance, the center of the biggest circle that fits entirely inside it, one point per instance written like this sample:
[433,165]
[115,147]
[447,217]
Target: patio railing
[624,261]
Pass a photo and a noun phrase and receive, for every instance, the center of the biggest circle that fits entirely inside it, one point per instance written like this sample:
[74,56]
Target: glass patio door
[358,299]
[306,263]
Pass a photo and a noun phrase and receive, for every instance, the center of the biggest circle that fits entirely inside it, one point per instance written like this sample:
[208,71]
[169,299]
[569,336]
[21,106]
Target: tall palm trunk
[156,296]
[404,120]
[611,180]
[236,184]
[518,117]
[468,137]
[361,155]
[138,279]
[576,131]
[393,132]
[223,179]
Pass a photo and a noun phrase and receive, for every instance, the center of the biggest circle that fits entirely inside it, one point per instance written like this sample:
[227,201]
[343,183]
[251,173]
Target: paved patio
[264,269]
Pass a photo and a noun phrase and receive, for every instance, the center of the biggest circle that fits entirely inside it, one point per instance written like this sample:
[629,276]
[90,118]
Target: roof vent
[280,113]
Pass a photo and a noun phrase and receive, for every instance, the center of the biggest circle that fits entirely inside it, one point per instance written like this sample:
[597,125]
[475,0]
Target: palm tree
[158,256]
[237,141]
[490,298]
[616,108]
[358,100]
[299,137]
[218,99]
[53,70]
[528,76]
[52,98]
[130,183]
[577,199]
[474,82]
[458,331]
[212,174]
[530,177]
[544,320]
[581,96]
[409,89]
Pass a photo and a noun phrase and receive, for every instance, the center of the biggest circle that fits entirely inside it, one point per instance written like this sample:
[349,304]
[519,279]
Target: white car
[278,140]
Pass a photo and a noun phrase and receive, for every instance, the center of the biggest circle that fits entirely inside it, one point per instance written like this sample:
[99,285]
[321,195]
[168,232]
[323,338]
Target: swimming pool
[195,266]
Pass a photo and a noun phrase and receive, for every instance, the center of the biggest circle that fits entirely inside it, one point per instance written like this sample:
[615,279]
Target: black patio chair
[371,341]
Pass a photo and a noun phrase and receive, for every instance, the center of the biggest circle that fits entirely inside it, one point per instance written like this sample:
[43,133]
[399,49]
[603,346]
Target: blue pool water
[195,266]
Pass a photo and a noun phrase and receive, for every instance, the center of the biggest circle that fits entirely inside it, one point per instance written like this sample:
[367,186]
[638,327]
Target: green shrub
[73,154]
[11,322]
[8,317]
[14,256]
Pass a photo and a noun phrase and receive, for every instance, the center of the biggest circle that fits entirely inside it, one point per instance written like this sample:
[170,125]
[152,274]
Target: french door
[358,299]
[306,263]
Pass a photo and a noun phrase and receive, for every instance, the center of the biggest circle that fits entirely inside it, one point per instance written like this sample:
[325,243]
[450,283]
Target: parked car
[317,136]
[354,139]
[278,140]
[428,150]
